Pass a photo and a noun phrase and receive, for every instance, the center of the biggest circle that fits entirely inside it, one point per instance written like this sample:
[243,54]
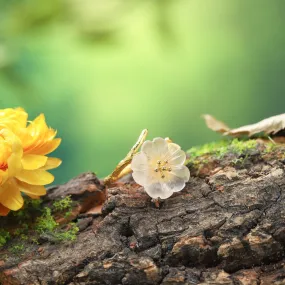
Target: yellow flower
[23,158]
[14,119]
[10,164]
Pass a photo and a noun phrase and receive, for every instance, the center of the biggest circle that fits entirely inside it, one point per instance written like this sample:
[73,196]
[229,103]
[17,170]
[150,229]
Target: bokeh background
[102,71]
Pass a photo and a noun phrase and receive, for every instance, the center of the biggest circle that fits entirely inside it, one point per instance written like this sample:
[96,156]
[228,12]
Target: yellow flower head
[14,119]
[23,160]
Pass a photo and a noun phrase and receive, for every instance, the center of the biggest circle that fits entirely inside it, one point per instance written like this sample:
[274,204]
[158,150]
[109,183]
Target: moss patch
[63,204]
[241,146]
[270,147]
[203,159]
[46,222]
[221,148]
[4,237]
[214,148]
[35,224]
[68,235]
[17,248]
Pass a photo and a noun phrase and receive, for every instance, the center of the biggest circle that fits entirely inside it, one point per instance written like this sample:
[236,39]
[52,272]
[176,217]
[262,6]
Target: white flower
[159,167]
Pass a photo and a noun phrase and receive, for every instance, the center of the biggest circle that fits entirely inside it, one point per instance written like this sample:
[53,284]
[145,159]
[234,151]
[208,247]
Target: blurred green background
[102,71]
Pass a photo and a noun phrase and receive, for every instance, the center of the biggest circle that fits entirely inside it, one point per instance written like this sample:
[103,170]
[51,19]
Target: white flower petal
[181,172]
[160,146]
[175,155]
[147,148]
[158,190]
[175,184]
[140,177]
[178,158]
[173,148]
[139,162]
[152,177]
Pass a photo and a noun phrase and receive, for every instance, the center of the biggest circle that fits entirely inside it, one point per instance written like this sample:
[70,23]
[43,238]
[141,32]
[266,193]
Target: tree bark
[226,227]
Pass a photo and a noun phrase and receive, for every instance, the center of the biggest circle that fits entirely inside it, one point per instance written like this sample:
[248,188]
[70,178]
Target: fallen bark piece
[201,235]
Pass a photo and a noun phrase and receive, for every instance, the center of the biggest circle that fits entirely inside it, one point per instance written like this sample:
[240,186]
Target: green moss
[34,221]
[67,214]
[20,214]
[30,206]
[46,222]
[241,146]
[63,204]
[16,249]
[35,203]
[69,235]
[240,160]
[270,147]
[221,148]
[23,228]
[217,148]
[4,237]
[24,237]
[34,240]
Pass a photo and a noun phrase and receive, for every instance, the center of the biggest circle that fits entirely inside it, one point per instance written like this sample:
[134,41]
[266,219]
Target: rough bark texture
[226,227]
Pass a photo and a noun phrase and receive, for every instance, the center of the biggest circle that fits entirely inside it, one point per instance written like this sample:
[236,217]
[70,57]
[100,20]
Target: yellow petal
[52,163]
[38,125]
[35,177]
[35,190]
[33,196]
[33,161]
[3,176]
[35,134]
[10,196]
[14,164]
[14,119]
[38,138]
[14,161]
[17,114]
[48,147]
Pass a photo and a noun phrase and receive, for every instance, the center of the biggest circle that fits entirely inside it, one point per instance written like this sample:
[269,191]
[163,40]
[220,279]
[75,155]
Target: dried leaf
[215,125]
[269,126]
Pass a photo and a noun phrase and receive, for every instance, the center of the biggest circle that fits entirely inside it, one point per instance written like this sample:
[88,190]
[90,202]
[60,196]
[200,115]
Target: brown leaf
[268,126]
[215,125]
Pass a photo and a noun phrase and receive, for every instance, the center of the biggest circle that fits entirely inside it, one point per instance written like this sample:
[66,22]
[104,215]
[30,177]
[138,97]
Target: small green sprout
[63,204]
[46,222]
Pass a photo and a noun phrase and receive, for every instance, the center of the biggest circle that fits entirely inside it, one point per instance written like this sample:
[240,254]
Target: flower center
[162,167]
